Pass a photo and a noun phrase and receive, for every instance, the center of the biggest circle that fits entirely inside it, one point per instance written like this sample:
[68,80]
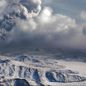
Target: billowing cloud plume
[30,26]
[23,9]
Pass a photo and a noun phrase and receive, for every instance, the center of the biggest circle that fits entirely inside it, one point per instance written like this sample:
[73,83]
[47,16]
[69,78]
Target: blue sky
[68,7]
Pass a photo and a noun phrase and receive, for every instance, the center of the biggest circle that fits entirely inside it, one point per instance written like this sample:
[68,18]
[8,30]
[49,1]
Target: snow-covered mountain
[31,70]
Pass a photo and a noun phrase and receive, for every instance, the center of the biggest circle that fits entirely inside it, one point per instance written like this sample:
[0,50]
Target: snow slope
[36,71]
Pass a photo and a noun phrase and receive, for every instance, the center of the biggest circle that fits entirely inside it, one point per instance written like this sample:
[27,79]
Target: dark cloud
[22,9]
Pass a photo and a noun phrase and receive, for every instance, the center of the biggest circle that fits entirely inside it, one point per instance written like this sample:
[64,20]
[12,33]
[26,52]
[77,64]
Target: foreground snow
[41,71]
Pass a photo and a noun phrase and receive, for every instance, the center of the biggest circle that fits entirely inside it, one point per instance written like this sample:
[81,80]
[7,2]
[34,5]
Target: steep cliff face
[33,71]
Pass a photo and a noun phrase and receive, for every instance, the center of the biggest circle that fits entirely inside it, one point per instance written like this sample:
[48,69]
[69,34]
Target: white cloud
[49,28]
[54,23]
[47,22]
[54,30]
[83,15]
[3,5]
[33,6]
